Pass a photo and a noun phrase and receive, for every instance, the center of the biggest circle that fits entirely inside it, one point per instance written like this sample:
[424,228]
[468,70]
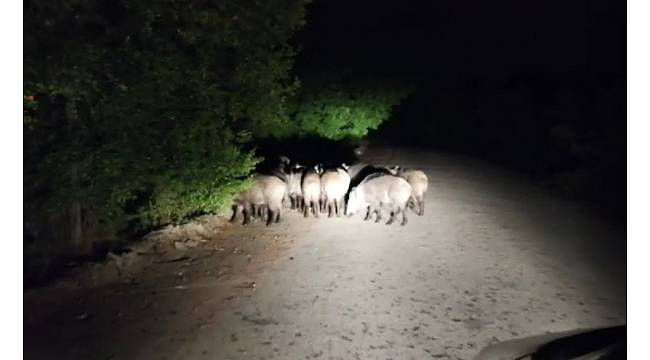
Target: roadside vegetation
[140,114]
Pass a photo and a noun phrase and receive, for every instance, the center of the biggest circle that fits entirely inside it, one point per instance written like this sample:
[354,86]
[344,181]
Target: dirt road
[493,258]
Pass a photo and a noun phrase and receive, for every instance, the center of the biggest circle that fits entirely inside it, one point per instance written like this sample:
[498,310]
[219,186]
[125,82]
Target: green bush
[140,111]
[337,110]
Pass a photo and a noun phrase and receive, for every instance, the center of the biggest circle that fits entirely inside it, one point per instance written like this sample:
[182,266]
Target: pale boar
[334,185]
[267,193]
[379,190]
[311,190]
[419,183]
[294,183]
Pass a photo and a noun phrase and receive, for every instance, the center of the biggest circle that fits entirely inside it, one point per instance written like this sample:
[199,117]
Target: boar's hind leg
[337,207]
[247,215]
[404,219]
[235,210]
[253,211]
[368,214]
[315,207]
[269,217]
[410,204]
[260,211]
[393,212]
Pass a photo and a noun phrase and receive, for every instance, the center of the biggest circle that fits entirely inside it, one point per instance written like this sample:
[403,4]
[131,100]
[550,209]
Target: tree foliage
[140,112]
[336,111]
[140,109]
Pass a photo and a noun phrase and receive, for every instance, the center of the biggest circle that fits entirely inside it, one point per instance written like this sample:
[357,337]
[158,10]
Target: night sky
[456,40]
[498,80]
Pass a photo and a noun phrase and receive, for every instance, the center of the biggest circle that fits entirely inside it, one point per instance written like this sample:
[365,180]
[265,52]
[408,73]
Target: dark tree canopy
[137,111]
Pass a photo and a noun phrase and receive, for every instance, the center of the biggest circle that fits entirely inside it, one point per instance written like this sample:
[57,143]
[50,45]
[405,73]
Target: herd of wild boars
[334,190]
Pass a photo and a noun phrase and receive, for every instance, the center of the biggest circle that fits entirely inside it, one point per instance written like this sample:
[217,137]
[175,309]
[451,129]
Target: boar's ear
[345,166]
[394,169]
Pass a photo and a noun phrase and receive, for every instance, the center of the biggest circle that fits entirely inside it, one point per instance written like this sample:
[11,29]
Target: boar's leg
[421,206]
[368,213]
[391,219]
[377,211]
[393,213]
[269,218]
[404,219]
[247,215]
[410,204]
[294,202]
[253,211]
[341,207]
[315,207]
[235,210]
[278,211]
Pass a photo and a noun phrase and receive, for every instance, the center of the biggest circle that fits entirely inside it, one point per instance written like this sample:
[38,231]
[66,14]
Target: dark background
[538,86]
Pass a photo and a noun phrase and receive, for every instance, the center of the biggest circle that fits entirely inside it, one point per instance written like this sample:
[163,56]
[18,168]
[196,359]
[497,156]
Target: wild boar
[419,183]
[267,193]
[334,185]
[294,182]
[379,190]
[311,190]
